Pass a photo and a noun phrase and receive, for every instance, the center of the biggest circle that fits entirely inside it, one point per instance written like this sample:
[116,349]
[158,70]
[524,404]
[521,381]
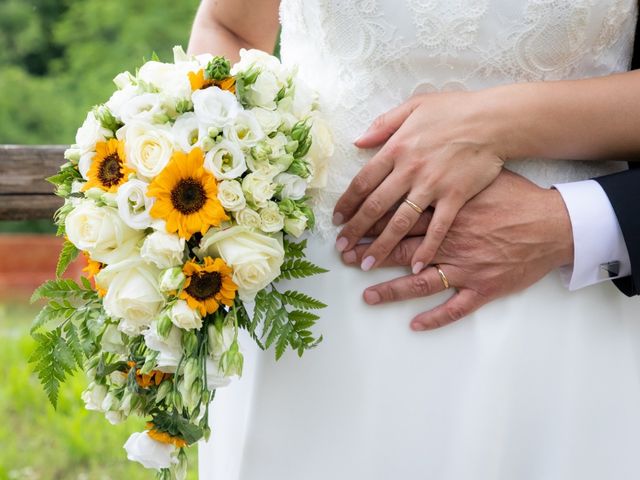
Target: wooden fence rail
[24,194]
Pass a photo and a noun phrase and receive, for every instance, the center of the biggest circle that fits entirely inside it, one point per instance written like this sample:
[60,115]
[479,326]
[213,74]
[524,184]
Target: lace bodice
[367,56]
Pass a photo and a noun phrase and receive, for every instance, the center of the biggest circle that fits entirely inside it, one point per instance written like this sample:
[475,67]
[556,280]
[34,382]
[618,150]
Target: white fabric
[543,384]
[597,237]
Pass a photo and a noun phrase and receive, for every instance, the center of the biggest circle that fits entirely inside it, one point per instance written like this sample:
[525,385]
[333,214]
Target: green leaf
[68,254]
[300,300]
[294,250]
[60,288]
[298,268]
[50,313]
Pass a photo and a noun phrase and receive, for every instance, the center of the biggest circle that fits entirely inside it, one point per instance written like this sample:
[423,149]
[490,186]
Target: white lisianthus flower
[248,218]
[112,340]
[258,188]
[148,148]
[245,130]
[172,279]
[163,249]
[225,161]
[150,453]
[146,107]
[296,224]
[84,163]
[133,204]
[120,98]
[220,340]
[215,376]
[231,196]
[93,396]
[133,294]
[255,258]
[115,417]
[272,77]
[101,232]
[321,150]
[169,349]
[279,157]
[183,316]
[293,186]
[269,120]
[186,132]
[118,378]
[124,80]
[90,133]
[215,107]
[169,78]
[271,220]
[264,91]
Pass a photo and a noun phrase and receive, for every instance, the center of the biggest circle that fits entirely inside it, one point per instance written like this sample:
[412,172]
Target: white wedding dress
[540,385]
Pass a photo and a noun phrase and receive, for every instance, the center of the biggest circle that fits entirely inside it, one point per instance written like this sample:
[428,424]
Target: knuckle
[380,121]
[454,313]
[394,149]
[400,254]
[360,185]
[439,230]
[400,223]
[420,286]
[386,293]
[373,207]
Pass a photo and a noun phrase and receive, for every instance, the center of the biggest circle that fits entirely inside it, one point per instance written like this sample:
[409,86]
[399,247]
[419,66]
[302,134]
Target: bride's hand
[439,150]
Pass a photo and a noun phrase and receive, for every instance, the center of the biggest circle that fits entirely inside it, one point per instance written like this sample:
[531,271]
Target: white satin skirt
[539,385]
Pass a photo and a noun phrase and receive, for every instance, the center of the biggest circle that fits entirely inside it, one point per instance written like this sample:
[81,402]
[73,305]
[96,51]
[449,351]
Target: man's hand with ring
[502,241]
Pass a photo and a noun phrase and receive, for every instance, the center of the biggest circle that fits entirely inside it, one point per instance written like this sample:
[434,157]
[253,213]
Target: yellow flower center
[204,285]
[188,196]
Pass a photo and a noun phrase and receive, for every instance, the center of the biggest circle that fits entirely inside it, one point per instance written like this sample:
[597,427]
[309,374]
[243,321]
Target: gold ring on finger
[414,206]
[443,277]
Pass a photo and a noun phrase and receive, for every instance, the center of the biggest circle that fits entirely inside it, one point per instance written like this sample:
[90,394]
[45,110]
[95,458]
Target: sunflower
[164,437]
[186,195]
[198,82]
[208,285]
[108,170]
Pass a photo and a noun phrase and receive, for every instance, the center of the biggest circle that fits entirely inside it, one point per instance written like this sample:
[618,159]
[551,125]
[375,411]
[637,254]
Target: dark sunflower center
[188,196]
[110,172]
[204,285]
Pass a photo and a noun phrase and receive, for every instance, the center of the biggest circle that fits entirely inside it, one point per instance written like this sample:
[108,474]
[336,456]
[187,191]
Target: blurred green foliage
[39,443]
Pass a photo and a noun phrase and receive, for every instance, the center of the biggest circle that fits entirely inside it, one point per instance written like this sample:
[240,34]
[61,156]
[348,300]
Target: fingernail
[418,327]
[358,139]
[417,268]
[338,219]
[341,244]
[349,257]
[367,263]
[372,297]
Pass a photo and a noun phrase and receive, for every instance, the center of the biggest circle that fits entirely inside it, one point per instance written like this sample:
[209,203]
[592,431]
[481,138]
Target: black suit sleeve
[623,190]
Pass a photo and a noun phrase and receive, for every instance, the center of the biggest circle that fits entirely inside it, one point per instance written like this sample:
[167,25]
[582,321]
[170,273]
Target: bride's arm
[223,27]
[595,118]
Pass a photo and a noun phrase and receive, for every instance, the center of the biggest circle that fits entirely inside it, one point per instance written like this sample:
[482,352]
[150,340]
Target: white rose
[183,316]
[248,218]
[90,133]
[172,279]
[93,397]
[225,161]
[150,453]
[255,258]
[296,224]
[220,340]
[120,98]
[115,417]
[293,186]
[163,249]
[169,349]
[133,294]
[169,78]
[101,232]
[186,132]
[112,340]
[231,196]
[319,153]
[145,107]
[148,148]
[215,107]
[245,130]
[271,220]
[269,120]
[133,204]
[258,188]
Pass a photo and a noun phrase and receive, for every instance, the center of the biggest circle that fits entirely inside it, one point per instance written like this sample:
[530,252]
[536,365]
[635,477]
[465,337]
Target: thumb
[385,125]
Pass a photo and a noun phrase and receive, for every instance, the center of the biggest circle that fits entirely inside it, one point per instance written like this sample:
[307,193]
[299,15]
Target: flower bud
[189,343]
[218,68]
[164,325]
[164,390]
[171,279]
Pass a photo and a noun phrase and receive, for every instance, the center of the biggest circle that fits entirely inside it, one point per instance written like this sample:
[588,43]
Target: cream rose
[271,220]
[225,161]
[101,232]
[183,316]
[134,204]
[133,294]
[255,258]
[258,188]
[164,250]
[148,148]
[231,196]
[248,218]
[150,453]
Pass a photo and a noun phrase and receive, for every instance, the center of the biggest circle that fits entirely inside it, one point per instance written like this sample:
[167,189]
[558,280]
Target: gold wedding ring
[413,205]
[443,277]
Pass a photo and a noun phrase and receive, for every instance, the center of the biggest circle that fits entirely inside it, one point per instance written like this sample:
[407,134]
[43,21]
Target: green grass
[39,443]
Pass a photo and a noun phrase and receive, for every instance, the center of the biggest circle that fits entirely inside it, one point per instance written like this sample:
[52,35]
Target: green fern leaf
[300,300]
[294,250]
[68,254]
[60,288]
[298,268]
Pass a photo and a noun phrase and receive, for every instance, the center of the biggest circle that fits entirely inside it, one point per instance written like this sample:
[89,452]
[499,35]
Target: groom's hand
[502,241]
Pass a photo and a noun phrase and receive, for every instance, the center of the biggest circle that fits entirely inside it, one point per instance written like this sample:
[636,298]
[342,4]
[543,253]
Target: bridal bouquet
[185,191]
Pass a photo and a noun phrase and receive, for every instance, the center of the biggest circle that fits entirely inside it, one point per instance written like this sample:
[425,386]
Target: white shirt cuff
[597,238]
